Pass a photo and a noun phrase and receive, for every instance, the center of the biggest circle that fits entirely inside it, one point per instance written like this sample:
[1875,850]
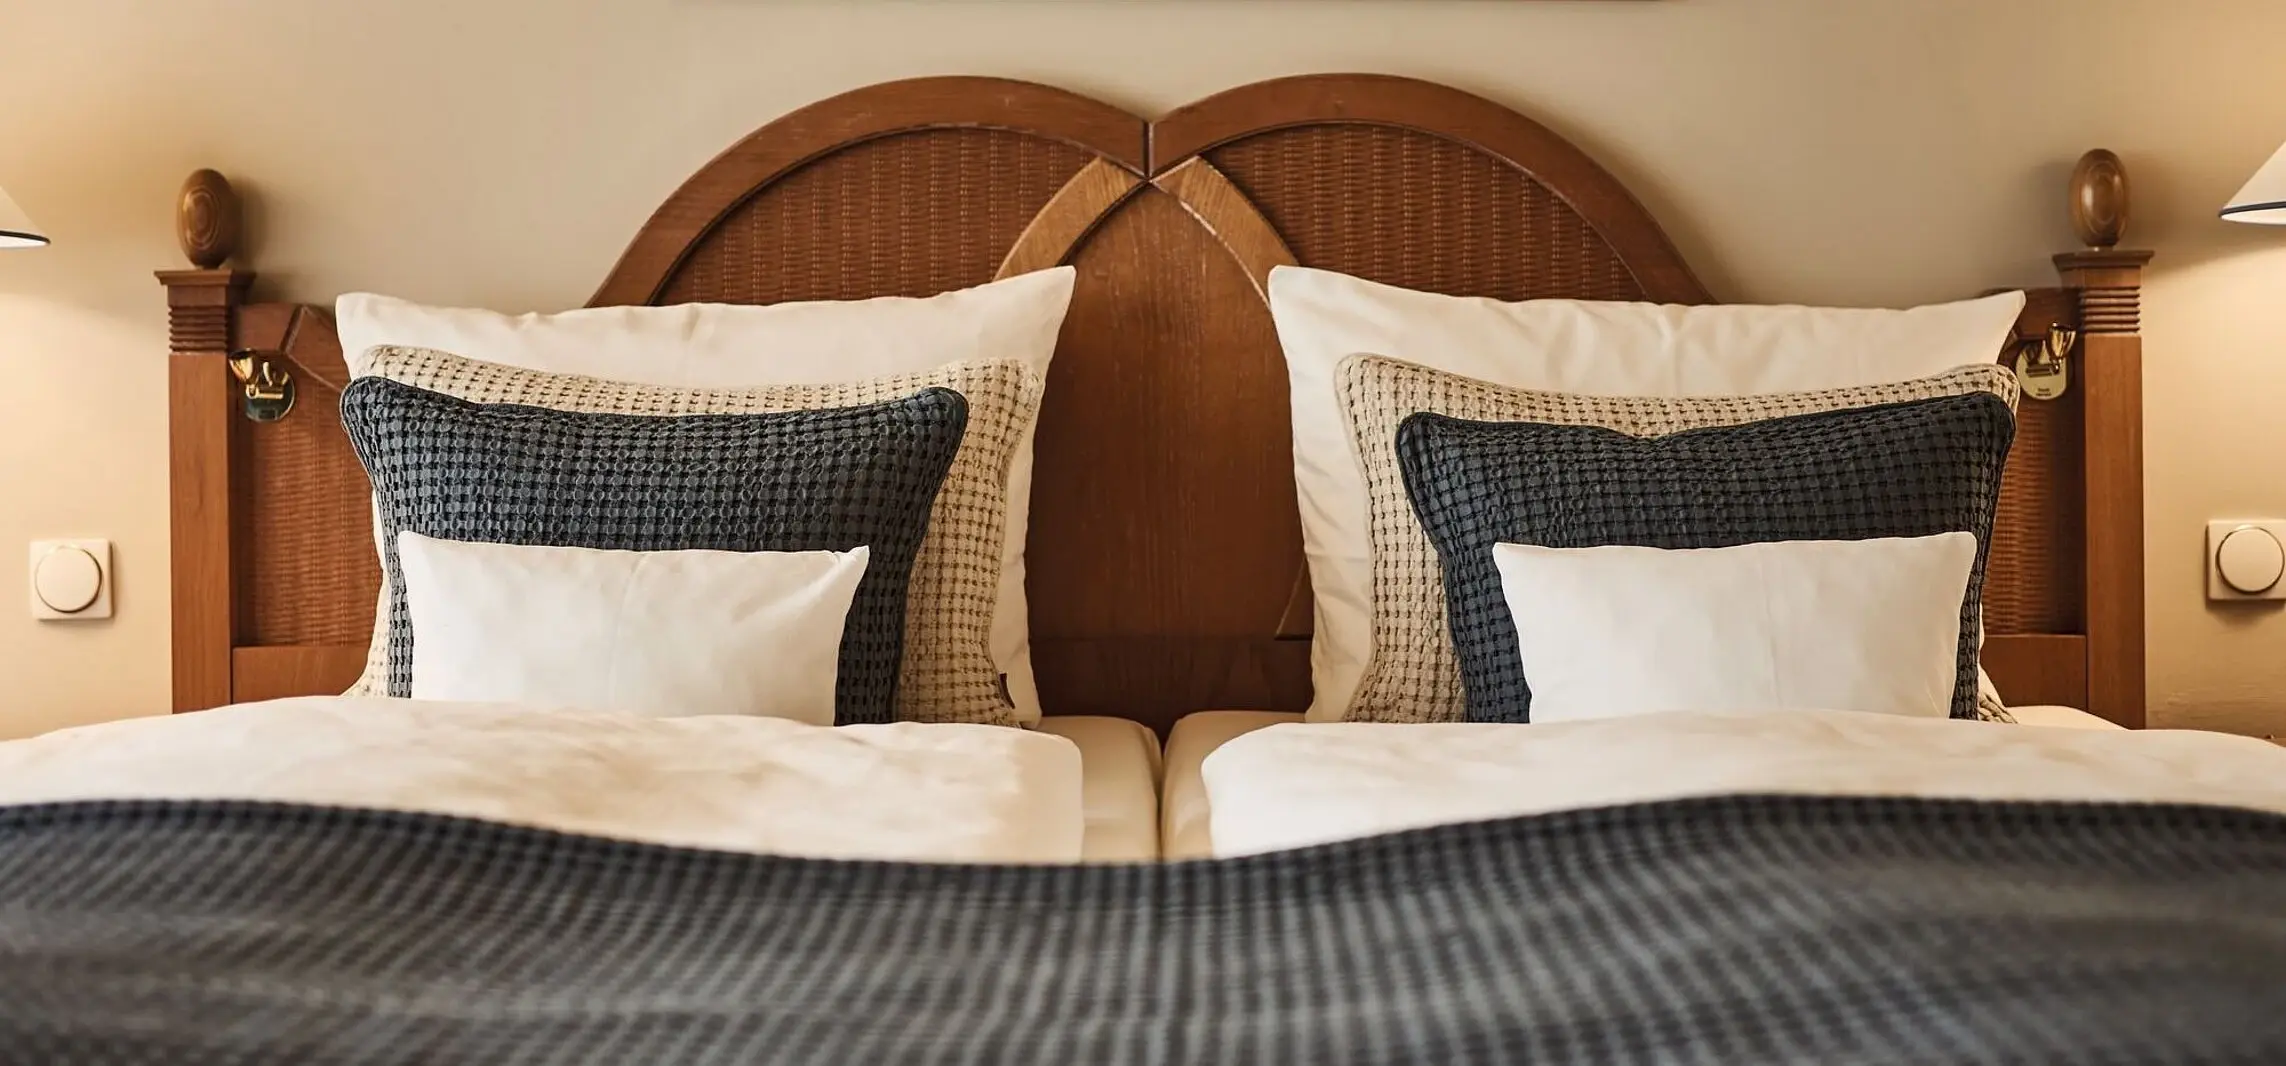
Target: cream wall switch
[2246,560]
[71,579]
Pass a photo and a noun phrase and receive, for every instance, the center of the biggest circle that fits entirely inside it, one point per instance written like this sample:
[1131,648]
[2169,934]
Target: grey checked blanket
[1762,930]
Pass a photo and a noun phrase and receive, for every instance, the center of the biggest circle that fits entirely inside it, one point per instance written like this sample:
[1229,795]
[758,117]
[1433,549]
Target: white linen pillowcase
[1579,346]
[735,346]
[665,634]
[1847,625]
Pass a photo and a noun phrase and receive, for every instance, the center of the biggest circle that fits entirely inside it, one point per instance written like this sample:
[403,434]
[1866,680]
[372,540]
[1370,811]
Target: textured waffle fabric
[1414,675]
[948,673]
[1773,930]
[826,480]
[1911,469]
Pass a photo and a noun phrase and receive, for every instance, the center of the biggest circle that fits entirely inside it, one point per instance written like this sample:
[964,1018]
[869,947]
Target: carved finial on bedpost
[2110,281]
[200,300]
[207,220]
[2109,284]
[2100,200]
[203,399]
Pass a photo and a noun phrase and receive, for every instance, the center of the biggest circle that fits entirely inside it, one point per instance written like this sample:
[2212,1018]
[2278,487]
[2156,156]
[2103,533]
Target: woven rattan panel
[908,215]
[309,535]
[1411,209]
[2037,572]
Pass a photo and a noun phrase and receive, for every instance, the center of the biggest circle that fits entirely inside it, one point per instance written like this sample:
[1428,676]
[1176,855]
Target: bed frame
[1166,568]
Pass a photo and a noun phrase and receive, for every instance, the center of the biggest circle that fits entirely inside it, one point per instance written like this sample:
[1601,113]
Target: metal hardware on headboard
[2043,364]
[269,387]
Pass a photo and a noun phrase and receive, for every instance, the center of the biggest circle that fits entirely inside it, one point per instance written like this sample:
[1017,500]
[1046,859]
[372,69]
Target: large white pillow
[739,346]
[666,634]
[1601,348]
[1838,625]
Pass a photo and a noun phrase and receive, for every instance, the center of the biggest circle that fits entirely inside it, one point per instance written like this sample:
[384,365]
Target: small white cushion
[665,634]
[1845,625]
[726,346]
[1602,348]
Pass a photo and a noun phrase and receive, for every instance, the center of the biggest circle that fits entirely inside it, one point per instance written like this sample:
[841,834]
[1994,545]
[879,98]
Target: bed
[1163,440]
[1167,575]
[1177,225]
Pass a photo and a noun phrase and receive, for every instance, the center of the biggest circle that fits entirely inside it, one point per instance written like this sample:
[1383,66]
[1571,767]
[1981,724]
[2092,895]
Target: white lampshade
[2264,199]
[16,228]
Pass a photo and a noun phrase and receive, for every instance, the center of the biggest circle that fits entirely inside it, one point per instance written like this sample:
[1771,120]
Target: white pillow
[1845,625]
[739,346]
[1602,348]
[666,634]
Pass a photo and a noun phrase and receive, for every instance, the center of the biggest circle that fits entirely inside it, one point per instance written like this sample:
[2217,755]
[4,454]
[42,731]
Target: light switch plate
[2220,590]
[64,561]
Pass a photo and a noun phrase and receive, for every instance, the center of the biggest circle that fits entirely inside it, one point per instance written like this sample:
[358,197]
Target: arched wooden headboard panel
[1416,184]
[1165,564]
[907,188]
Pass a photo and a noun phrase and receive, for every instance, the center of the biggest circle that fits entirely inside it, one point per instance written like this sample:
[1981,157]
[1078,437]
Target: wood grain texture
[1070,216]
[1163,500]
[2099,200]
[1235,223]
[277,672]
[2039,670]
[202,466]
[1327,100]
[1230,218]
[207,220]
[913,214]
[2111,378]
[850,119]
[1299,621]
[1156,680]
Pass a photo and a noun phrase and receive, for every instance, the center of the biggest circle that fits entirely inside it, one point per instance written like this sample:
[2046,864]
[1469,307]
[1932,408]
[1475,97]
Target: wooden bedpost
[203,449]
[2109,283]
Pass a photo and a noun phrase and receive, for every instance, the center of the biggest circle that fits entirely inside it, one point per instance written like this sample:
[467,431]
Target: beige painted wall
[499,152]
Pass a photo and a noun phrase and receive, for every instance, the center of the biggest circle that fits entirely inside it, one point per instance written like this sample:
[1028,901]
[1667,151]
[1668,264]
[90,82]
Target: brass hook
[268,386]
[2043,364]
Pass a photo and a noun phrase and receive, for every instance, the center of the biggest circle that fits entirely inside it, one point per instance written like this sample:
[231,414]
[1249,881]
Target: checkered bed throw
[1762,930]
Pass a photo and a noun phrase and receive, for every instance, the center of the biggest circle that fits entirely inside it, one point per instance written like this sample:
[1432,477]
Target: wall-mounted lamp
[2263,200]
[2043,364]
[268,387]
[16,228]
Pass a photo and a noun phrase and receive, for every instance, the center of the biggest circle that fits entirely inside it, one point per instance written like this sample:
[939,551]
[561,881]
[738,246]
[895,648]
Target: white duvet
[933,793]
[1294,785]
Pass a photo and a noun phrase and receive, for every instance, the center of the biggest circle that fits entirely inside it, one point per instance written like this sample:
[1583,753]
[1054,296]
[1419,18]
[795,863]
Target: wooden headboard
[1165,557]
